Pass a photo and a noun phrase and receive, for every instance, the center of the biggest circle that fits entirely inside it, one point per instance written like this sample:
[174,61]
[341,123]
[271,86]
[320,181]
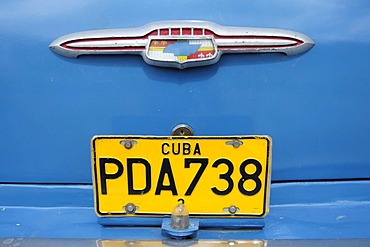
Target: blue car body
[315,106]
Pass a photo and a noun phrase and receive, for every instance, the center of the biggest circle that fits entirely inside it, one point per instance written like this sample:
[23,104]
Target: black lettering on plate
[130,177]
[163,150]
[166,169]
[197,149]
[203,164]
[186,148]
[246,176]
[176,152]
[103,173]
[226,176]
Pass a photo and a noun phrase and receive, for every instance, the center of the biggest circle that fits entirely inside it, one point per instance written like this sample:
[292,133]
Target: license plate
[214,176]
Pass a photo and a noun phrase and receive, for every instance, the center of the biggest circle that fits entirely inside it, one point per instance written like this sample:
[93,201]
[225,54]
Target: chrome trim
[226,39]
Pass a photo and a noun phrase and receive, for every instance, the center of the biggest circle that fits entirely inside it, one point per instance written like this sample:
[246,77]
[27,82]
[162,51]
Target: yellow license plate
[214,176]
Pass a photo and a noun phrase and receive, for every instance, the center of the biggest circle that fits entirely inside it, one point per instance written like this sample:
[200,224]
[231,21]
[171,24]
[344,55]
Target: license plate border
[138,214]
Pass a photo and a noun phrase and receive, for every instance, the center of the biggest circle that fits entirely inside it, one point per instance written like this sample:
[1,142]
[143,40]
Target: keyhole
[182,130]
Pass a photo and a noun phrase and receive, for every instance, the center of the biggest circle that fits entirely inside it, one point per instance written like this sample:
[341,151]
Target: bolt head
[130,208]
[128,144]
[233,209]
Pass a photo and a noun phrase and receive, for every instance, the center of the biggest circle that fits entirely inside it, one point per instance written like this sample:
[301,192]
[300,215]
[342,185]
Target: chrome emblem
[182,44]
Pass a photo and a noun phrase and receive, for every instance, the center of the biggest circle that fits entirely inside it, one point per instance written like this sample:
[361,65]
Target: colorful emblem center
[181,50]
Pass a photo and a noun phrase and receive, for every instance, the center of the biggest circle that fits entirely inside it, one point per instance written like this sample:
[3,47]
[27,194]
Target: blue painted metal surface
[314,106]
[332,212]
[281,194]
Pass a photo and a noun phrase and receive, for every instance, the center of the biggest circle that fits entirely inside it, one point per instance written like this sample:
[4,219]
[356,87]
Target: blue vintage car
[312,106]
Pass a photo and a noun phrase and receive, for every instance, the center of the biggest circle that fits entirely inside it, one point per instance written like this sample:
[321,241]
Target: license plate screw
[234,143]
[128,144]
[130,208]
[231,209]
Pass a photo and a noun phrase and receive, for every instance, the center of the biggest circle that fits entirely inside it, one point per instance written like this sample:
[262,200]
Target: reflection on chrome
[181,243]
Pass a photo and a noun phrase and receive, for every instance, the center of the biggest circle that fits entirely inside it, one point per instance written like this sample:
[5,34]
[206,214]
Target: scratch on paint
[340,217]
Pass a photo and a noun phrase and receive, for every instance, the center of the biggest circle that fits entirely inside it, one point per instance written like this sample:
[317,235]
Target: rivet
[234,143]
[130,208]
[128,144]
[231,209]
